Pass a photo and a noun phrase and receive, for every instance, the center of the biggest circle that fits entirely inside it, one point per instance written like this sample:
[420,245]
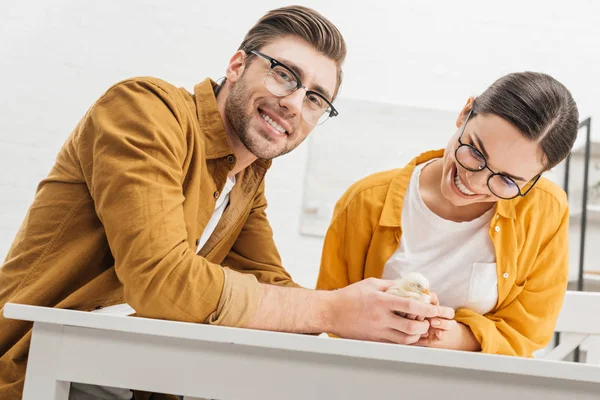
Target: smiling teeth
[463,189]
[273,123]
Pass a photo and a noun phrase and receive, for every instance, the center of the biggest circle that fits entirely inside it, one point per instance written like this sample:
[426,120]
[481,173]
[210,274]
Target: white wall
[57,57]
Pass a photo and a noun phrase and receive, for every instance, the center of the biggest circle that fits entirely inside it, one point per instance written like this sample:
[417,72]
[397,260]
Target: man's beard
[259,144]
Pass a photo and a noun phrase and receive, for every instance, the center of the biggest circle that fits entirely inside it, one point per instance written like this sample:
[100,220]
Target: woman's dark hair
[541,107]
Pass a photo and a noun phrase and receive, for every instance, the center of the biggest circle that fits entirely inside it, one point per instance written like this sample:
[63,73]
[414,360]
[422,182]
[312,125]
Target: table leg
[42,364]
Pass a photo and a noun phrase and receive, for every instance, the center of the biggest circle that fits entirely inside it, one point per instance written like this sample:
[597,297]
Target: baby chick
[412,285]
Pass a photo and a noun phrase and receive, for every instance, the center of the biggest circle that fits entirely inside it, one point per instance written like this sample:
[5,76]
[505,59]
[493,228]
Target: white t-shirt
[220,207]
[457,258]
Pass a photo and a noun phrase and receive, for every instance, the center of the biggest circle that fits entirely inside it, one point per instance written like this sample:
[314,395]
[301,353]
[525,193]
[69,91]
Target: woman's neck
[430,190]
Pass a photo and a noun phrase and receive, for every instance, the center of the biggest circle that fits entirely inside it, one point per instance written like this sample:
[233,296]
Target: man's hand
[364,311]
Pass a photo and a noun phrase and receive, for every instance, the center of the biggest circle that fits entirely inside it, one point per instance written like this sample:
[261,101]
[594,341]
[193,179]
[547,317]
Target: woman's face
[506,151]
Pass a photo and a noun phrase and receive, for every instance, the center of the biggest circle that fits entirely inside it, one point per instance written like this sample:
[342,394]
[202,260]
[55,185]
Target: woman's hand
[448,334]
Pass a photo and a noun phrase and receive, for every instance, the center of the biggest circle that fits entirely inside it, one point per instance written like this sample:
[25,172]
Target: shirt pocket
[483,286]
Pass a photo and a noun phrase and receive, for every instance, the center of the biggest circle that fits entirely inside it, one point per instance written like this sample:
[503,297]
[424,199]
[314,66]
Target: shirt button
[497,216]
[197,242]
[216,194]
[230,159]
[497,229]
[505,275]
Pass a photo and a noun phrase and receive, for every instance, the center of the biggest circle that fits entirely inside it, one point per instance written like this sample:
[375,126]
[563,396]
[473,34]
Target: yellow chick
[412,285]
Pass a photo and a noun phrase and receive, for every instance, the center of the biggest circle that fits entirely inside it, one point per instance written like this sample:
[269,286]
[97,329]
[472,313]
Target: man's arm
[359,311]
[363,311]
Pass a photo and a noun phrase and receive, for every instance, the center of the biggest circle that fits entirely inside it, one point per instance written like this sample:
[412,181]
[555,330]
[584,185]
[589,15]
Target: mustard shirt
[530,238]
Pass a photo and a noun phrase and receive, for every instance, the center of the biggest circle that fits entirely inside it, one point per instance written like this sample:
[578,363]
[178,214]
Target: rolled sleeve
[239,300]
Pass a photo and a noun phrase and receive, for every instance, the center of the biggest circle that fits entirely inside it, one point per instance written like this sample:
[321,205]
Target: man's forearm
[292,310]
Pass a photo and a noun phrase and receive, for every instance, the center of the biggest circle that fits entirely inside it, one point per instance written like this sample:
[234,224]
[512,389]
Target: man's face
[268,125]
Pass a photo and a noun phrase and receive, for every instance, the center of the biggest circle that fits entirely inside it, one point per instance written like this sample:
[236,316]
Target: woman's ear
[462,117]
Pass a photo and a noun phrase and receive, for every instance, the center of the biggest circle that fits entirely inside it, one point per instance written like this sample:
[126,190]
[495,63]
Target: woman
[476,219]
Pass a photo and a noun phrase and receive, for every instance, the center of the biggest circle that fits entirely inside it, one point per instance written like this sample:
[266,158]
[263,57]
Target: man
[157,199]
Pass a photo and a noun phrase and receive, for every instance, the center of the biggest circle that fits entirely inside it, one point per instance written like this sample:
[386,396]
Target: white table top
[307,343]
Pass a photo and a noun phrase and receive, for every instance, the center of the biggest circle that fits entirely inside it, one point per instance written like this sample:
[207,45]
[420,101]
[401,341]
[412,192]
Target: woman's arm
[526,323]
[459,337]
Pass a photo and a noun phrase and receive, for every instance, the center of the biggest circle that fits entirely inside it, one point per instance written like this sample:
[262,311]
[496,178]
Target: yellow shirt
[530,237]
[120,214]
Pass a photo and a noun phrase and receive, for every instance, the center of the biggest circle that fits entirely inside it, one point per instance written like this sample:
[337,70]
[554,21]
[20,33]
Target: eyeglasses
[282,81]
[500,185]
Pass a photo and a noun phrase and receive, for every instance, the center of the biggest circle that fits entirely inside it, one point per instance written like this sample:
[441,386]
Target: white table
[229,363]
